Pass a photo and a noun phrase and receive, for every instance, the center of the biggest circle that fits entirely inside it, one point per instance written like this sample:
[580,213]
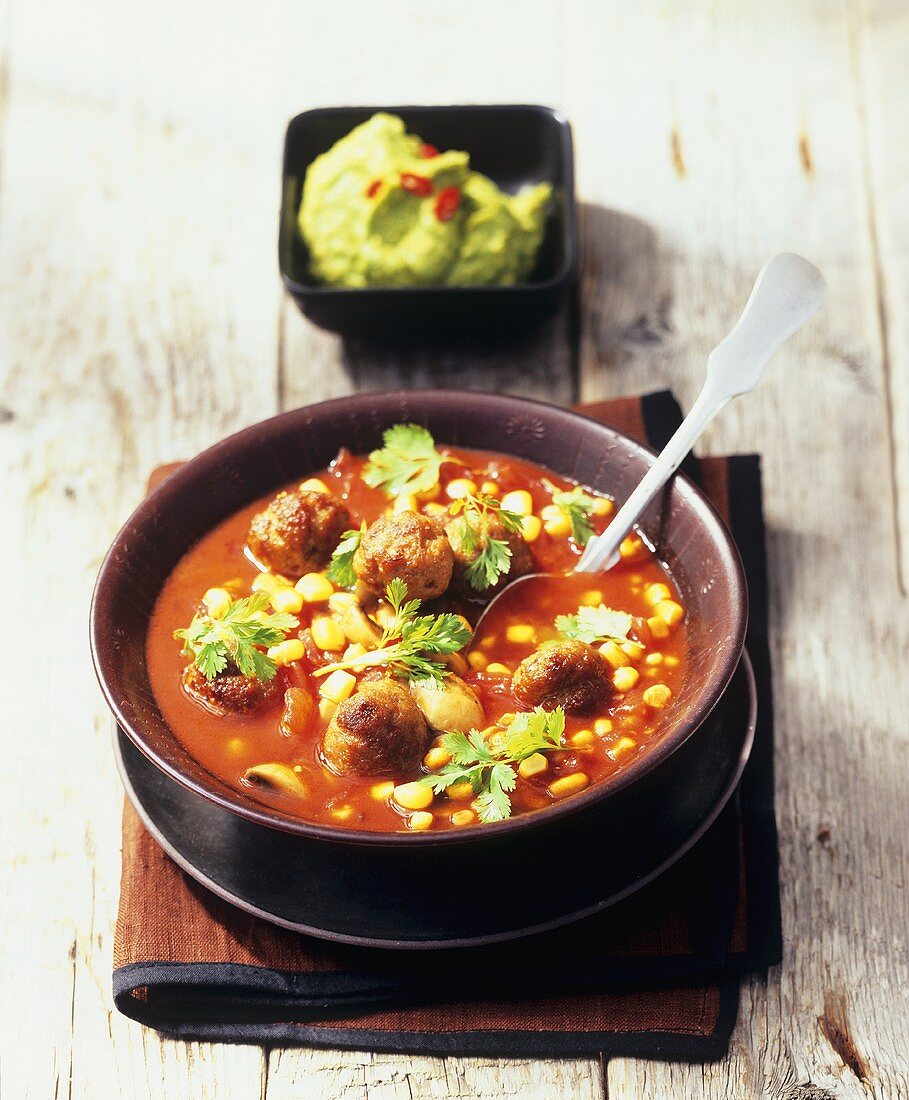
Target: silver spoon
[787,293]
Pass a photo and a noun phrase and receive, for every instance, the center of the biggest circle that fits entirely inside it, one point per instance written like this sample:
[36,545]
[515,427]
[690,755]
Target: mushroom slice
[277,777]
[452,705]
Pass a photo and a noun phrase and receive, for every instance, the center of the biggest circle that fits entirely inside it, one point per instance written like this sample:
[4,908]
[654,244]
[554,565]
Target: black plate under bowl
[272,874]
[516,145]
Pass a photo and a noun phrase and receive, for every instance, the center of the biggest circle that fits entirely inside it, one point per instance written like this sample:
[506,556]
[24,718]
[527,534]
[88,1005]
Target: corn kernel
[341,601]
[531,526]
[460,487]
[269,582]
[436,758]
[624,679]
[602,507]
[634,650]
[338,686]
[631,547]
[593,598]
[653,659]
[420,822]
[555,522]
[429,494]
[381,792]
[327,634]
[602,726]
[406,502]
[496,668]
[477,660]
[532,765]
[520,633]
[385,616]
[670,612]
[490,489]
[519,501]
[217,601]
[463,817]
[314,587]
[623,745]
[343,813]
[434,509]
[505,719]
[658,627]
[657,696]
[287,599]
[413,796]
[671,662]
[583,739]
[236,746]
[460,792]
[314,485]
[354,650]
[284,652]
[656,592]
[614,654]
[566,785]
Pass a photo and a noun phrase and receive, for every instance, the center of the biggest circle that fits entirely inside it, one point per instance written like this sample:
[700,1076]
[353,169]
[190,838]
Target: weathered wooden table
[141,319]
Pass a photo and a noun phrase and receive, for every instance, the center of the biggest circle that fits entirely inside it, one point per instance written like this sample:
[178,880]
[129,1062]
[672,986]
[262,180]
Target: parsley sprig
[408,461]
[490,770]
[341,570]
[410,642]
[595,624]
[239,635]
[578,506]
[492,556]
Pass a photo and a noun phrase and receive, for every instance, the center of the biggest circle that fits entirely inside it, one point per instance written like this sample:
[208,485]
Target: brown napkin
[655,976]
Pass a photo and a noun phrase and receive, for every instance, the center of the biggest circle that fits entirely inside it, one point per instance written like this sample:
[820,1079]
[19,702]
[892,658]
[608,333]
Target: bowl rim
[566,272]
[102,620]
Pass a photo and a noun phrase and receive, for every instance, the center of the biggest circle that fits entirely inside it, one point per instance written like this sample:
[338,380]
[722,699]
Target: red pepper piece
[427,151]
[447,202]
[373,189]
[416,185]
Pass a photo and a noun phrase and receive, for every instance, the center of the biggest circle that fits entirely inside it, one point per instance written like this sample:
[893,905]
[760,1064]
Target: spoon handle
[788,291]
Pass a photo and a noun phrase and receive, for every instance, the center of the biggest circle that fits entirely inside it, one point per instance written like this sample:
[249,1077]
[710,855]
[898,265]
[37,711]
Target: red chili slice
[373,188]
[447,202]
[427,151]
[416,185]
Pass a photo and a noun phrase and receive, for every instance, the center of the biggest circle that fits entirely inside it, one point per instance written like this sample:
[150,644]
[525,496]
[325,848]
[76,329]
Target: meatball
[230,692]
[298,532]
[407,545]
[569,674]
[379,730]
[488,527]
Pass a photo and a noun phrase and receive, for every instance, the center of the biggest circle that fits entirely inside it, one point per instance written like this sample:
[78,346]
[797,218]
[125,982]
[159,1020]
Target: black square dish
[515,145]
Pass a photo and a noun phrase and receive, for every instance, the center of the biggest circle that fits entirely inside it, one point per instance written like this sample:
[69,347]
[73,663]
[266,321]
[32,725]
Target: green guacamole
[380,208]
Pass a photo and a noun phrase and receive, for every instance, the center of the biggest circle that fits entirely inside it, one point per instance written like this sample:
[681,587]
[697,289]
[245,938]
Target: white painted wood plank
[139,313]
[880,40]
[732,135]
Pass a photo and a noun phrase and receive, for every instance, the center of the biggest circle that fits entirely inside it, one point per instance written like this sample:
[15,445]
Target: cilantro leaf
[595,624]
[237,635]
[491,771]
[408,461]
[341,570]
[409,643]
[493,561]
[578,506]
[492,556]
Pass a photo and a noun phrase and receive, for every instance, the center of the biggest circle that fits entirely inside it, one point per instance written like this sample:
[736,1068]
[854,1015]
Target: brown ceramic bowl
[362,884]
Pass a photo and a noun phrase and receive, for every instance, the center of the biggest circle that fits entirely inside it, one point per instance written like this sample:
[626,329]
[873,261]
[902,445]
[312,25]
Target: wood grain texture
[141,318]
